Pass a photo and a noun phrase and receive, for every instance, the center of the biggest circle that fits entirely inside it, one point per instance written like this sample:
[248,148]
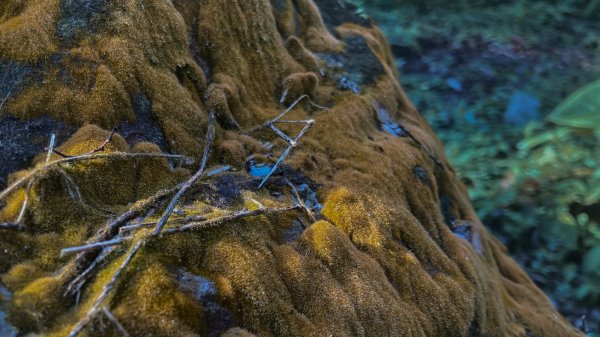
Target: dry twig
[76,285]
[50,147]
[86,157]
[100,147]
[4,100]
[83,260]
[92,246]
[300,202]
[9,225]
[196,224]
[106,290]
[291,141]
[210,135]
[115,322]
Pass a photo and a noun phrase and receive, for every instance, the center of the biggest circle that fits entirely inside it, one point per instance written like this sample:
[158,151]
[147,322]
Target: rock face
[386,245]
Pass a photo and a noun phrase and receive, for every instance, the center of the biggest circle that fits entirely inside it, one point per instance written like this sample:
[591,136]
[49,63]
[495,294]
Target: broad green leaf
[581,109]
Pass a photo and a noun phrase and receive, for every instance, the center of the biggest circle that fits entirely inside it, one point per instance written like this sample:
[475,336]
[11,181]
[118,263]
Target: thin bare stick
[50,147]
[292,106]
[106,141]
[113,155]
[76,285]
[115,321]
[4,100]
[299,200]
[100,147]
[293,143]
[218,170]
[106,290]
[215,221]
[83,260]
[210,135]
[25,202]
[153,223]
[129,228]
[92,246]
[229,217]
[9,225]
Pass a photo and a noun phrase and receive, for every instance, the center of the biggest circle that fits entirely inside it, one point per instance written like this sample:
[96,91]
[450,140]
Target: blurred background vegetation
[509,87]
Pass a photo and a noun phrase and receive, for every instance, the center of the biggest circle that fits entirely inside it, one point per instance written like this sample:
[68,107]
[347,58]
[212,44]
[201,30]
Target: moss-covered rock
[391,247]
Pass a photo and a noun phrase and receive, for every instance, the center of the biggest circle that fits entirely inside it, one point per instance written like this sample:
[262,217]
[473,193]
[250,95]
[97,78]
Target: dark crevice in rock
[6,330]
[293,232]
[421,174]
[81,18]
[337,12]
[218,318]
[358,66]
[387,124]
[21,140]
[446,208]
[17,76]
[145,128]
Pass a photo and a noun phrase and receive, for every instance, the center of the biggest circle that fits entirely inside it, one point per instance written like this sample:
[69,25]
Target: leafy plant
[581,109]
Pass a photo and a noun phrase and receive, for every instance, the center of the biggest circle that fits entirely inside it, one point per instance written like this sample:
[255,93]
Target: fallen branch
[86,157]
[202,224]
[235,216]
[92,246]
[100,147]
[83,260]
[76,285]
[10,225]
[210,135]
[291,141]
[153,223]
[106,290]
[4,100]
[300,202]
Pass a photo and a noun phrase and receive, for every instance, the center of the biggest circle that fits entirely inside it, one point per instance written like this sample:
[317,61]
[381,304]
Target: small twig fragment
[105,291]
[4,100]
[76,285]
[210,135]
[9,225]
[299,200]
[25,202]
[115,321]
[92,246]
[50,147]
[113,155]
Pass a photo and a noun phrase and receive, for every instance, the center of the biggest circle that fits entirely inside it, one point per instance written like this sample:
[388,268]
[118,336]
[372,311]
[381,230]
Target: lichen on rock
[386,242]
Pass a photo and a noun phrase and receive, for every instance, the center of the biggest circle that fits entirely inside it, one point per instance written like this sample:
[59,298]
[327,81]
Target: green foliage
[537,187]
[581,109]
[565,169]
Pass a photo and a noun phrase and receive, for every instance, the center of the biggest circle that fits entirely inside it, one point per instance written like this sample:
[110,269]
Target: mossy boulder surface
[386,243]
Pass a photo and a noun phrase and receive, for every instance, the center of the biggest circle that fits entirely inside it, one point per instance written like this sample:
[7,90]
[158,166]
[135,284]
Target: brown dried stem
[9,225]
[85,157]
[115,322]
[300,202]
[210,135]
[83,260]
[106,290]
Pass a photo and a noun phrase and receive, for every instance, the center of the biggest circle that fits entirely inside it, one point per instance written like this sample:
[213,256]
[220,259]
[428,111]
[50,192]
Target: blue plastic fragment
[259,170]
